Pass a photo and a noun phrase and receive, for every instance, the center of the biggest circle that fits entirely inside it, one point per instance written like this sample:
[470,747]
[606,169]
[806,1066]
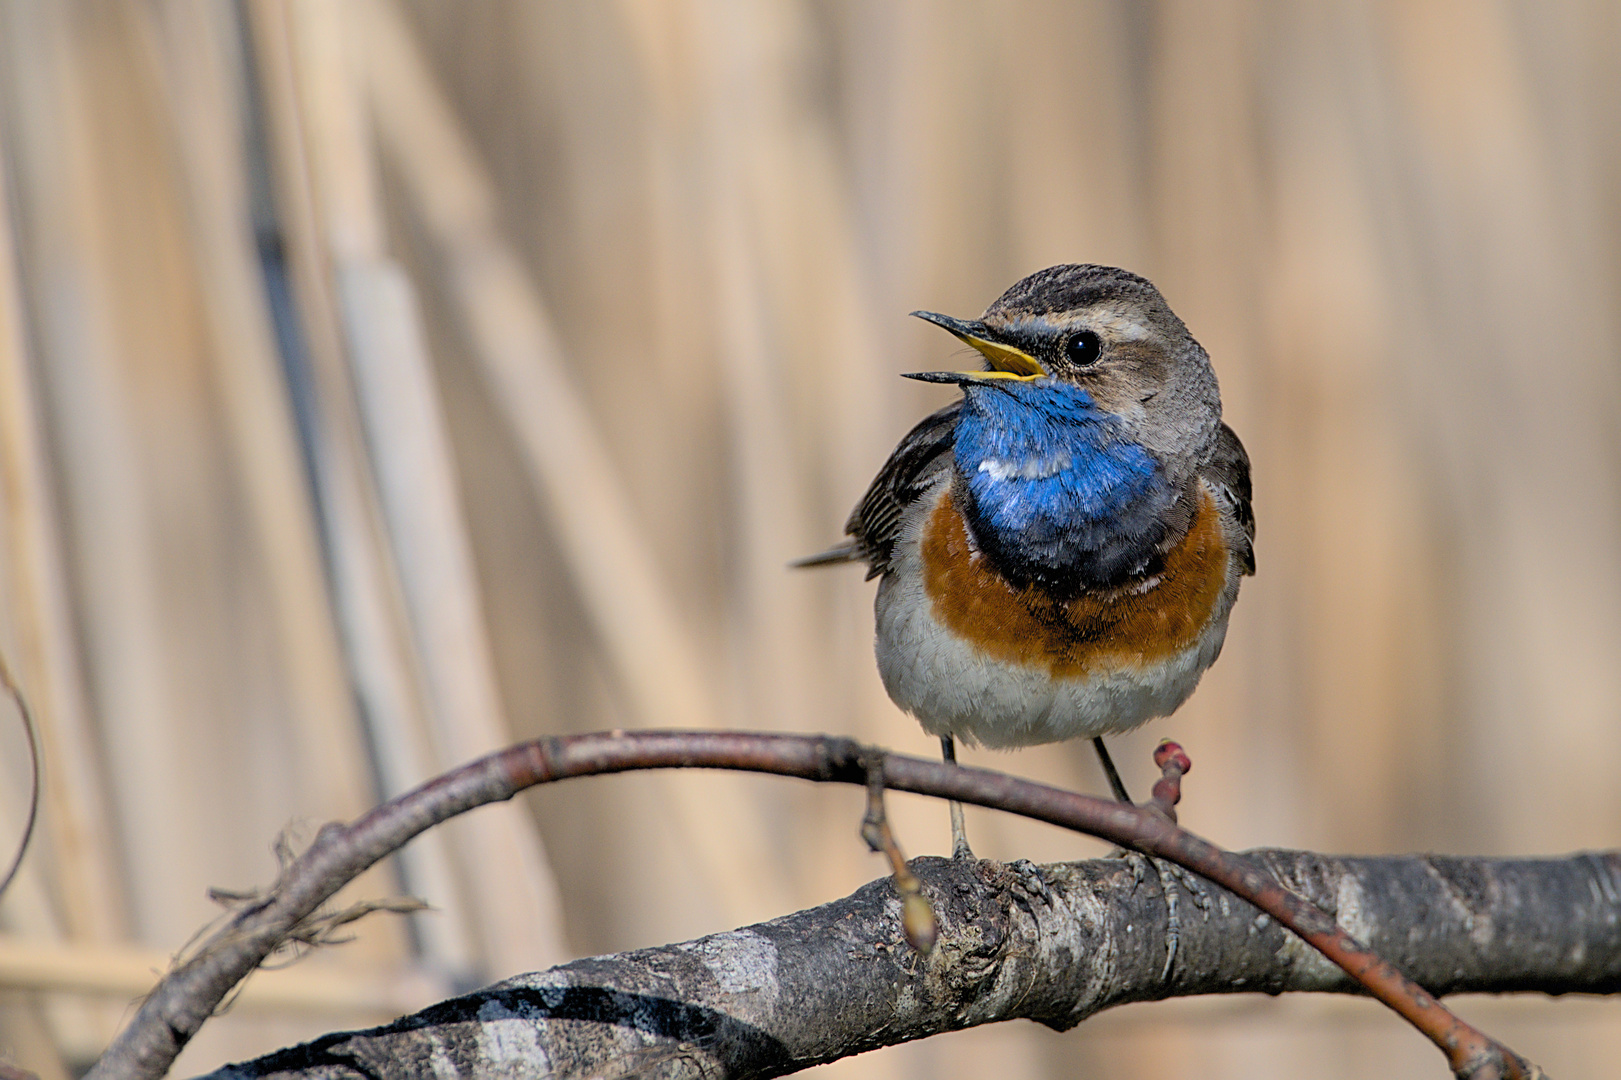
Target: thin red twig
[188,995]
[1173,763]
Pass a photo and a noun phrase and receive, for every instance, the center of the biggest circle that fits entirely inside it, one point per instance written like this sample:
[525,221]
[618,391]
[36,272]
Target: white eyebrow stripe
[1108,322]
[1117,325]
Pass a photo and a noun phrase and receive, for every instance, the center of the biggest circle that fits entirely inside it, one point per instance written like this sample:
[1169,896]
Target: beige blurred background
[384,382]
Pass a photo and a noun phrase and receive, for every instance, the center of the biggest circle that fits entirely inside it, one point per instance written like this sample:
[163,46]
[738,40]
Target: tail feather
[849,551]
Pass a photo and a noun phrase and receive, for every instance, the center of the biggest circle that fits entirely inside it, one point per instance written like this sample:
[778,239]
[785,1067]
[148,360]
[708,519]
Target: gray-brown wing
[876,520]
[1229,473]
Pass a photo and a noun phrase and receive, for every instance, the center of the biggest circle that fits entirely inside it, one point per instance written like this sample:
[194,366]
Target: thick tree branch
[188,995]
[1053,944]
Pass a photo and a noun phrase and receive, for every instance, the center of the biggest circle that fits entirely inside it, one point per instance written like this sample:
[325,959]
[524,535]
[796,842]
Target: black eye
[1083,349]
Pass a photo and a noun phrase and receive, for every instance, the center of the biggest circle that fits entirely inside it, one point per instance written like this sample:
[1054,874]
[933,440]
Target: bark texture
[1054,944]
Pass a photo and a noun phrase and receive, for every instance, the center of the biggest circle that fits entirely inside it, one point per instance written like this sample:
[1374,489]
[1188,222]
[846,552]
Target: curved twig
[9,684]
[187,996]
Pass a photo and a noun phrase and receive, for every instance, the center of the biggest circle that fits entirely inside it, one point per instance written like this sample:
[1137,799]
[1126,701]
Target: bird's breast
[1134,626]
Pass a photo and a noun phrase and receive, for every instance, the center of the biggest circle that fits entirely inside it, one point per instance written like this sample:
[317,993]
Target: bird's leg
[1116,785]
[1165,872]
[959,835]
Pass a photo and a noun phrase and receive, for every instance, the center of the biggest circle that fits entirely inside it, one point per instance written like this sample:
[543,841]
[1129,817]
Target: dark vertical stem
[1116,785]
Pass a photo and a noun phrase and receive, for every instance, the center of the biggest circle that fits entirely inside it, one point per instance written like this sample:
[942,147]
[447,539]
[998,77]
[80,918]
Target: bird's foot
[1032,880]
[1169,876]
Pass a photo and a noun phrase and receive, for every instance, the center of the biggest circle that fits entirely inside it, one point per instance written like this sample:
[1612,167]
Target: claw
[1194,884]
[1173,920]
[1169,875]
[1035,883]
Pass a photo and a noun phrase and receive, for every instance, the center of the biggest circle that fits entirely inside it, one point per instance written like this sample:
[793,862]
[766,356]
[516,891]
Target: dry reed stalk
[501,855]
[369,611]
[1509,279]
[86,407]
[799,379]
[107,553]
[737,67]
[809,381]
[507,884]
[73,875]
[1204,244]
[621,589]
[126,973]
[82,849]
[1315,357]
[204,102]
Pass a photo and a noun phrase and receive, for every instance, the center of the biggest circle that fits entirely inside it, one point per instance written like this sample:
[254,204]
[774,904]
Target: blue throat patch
[1058,492]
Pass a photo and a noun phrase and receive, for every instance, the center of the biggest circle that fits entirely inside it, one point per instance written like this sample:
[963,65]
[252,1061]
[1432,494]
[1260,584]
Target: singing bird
[1059,549]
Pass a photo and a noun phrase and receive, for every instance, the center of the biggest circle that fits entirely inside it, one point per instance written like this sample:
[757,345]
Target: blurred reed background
[381,383]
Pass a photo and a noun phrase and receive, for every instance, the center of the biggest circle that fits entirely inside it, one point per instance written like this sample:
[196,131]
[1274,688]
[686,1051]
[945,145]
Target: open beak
[1006,361]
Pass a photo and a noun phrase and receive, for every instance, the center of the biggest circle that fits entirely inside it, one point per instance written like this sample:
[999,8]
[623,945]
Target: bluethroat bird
[1060,548]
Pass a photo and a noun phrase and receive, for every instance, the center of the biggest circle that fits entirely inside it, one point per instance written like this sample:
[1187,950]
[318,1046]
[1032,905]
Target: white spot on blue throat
[1030,468]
